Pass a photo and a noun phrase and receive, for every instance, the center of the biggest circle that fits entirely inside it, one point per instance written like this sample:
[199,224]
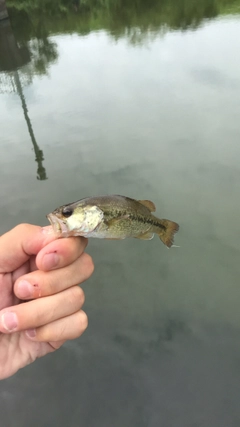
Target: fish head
[75,220]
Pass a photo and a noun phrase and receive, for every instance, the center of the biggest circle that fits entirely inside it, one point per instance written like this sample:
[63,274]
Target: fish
[112,217]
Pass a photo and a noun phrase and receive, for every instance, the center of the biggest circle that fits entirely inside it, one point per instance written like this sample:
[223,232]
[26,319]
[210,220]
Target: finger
[20,243]
[40,283]
[68,328]
[23,269]
[56,344]
[60,253]
[32,263]
[39,312]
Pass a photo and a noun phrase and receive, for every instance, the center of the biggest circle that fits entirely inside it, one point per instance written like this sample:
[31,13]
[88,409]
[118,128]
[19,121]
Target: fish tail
[166,231]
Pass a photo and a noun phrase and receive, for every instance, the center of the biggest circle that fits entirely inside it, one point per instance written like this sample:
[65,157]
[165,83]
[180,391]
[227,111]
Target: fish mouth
[59,227]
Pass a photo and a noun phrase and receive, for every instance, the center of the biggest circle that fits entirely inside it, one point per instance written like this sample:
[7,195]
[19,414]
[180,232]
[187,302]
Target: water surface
[149,113]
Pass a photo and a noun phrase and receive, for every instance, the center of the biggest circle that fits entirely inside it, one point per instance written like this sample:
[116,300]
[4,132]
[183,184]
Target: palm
[16,349]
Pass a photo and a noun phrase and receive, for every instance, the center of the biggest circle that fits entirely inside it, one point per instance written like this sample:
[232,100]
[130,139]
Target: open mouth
[59,227]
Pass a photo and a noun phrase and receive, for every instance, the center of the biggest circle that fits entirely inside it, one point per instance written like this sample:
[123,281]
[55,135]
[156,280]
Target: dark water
[145,103]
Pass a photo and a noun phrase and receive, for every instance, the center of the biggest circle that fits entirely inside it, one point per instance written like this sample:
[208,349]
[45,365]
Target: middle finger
[40,283]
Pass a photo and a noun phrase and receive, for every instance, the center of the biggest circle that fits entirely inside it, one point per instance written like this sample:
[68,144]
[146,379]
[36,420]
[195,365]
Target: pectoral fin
[148,204]
[145,236]
[114,221]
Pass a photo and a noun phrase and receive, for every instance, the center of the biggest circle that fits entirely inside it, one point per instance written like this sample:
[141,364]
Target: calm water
[149,114]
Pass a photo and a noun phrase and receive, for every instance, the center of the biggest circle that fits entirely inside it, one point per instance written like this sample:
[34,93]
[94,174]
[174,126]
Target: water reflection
[13,57]
[142,344]
[28,51]
[133,20]
[162,347]
[41,172]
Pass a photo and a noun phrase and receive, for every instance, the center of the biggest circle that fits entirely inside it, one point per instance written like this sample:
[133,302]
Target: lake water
[153,114]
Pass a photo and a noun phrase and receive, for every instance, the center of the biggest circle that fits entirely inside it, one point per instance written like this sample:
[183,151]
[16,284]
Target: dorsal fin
[148,204]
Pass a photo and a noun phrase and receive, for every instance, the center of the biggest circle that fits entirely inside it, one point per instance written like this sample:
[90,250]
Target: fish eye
[67,212]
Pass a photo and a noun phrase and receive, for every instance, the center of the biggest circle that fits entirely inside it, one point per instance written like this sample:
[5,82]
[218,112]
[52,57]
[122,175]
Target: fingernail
[50,261]
[24,289]
[9,321]
[31,333]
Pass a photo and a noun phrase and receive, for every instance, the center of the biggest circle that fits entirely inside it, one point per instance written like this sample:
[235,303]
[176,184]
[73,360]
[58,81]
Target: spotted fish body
[112,217]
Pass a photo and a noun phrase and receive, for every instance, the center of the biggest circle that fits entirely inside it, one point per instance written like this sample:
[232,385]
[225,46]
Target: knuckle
[88,264]
[43,284]
[77,294]
[38,317]
[52,332]
[83,321]
[61,333]
[22,228]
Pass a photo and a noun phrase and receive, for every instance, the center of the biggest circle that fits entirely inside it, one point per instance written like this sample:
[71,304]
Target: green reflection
[26,48]
[119,17]
[16,72]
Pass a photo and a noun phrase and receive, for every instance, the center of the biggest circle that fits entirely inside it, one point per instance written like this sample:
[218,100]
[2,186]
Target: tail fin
[166,233]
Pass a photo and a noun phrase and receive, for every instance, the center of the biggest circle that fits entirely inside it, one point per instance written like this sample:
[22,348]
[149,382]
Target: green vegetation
[26,48]
[33,21]
[53,7]
[118,16]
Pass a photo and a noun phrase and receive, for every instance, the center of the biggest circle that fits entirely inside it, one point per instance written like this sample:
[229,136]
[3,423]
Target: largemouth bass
[112,217]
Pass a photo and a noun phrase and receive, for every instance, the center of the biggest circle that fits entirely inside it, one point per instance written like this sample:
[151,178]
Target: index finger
[18,244]
[60,253]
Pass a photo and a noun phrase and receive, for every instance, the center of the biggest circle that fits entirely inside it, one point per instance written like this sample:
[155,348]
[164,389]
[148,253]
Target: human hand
[38,318]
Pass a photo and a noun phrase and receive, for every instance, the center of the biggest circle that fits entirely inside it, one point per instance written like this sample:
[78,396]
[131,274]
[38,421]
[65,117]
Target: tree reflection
[27,50]
[19,61]
[131,19]
[43,53]
[41,172]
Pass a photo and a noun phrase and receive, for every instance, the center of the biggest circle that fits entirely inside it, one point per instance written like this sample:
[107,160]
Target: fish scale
[112,217]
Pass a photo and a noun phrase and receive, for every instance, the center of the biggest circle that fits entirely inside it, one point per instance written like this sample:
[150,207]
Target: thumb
[17,245]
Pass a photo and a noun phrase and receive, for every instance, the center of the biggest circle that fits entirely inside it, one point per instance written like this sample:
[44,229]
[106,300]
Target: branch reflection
[12,58]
